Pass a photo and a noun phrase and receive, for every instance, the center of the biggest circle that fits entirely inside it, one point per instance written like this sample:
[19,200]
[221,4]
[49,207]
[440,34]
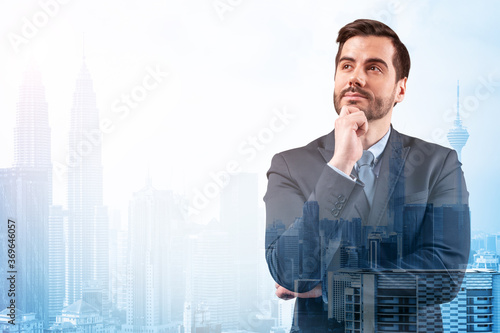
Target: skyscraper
[476,308]
[458,135]
[25,196]
[239,216]
[212,277]
[56,262]
[149,286]
[118,240]
[87,226]
[395,301]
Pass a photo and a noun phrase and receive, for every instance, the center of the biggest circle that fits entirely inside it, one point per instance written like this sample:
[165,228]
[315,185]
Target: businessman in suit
[365,178]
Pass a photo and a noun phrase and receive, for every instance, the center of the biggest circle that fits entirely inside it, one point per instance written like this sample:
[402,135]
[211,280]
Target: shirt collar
[378,148]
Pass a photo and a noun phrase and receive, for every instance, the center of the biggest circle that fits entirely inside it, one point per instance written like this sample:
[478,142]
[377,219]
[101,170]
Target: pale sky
[232,64]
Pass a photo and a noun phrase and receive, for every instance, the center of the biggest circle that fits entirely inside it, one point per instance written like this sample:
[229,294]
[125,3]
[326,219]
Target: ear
[400,90]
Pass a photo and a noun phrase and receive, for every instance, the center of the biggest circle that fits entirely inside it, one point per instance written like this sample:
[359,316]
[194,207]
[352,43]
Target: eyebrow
[378,60]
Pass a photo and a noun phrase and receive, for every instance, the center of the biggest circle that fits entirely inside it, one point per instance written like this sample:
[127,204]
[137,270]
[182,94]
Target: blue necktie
[366,174]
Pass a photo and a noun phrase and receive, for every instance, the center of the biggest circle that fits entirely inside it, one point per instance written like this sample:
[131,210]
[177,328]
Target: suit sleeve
[440,247]
[297,244]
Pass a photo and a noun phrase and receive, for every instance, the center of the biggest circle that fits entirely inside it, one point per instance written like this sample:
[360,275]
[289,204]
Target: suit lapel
[328,147]
[391,170]
[327,154]
[392,164]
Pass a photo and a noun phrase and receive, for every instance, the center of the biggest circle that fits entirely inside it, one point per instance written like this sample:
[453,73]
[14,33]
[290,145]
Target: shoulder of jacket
[311,147]
[421,150]
[419,144]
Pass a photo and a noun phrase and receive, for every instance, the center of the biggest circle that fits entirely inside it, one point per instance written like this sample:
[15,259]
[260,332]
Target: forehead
[368,47]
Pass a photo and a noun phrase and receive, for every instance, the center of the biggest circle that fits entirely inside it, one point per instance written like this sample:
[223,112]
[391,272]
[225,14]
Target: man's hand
[287,294]
[349,127]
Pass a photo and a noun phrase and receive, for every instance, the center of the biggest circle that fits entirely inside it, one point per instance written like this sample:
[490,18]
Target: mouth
[353,96]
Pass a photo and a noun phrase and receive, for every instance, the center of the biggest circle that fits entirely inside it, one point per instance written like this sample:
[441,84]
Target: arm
[298,247]
[433,226]
[287,294]
[442,243]
[293,243]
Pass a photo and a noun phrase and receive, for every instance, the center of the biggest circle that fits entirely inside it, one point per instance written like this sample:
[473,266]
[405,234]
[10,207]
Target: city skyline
[197,105]
[145,209]
[91,140]
[209,95]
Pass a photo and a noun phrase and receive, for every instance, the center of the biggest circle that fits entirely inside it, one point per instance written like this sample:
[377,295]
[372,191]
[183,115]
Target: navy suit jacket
[313,213]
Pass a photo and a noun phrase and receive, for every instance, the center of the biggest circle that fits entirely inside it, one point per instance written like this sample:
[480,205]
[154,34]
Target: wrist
[343,165]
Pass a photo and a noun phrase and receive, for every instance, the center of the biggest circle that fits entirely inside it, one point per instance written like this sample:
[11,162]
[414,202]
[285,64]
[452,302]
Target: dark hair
[365,27]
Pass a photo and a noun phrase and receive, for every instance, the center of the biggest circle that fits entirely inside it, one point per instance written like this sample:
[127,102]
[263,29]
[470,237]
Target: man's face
[366,77]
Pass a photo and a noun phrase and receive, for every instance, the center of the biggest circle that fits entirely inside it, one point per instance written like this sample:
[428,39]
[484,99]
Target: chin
[358,104]
[353,102]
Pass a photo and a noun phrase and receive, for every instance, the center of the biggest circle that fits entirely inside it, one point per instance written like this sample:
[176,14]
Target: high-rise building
[32,132]
[239,216]
[395,301]
[86,229]
[477,306]
[149,286]
[491,243]
[285,314]
[118,243]
[454,313]
[497,244]
[56,262]
[212,277]
[25,197]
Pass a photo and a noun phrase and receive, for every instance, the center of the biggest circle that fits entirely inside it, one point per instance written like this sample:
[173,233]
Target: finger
[347,110]
[285,297]
[343,111]
[359,122]
[353,120]
[284,293]
[276,285]
[316,292]
[362,126]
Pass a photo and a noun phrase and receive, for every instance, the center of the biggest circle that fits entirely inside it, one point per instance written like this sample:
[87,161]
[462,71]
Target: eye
[346,66]
[374,68]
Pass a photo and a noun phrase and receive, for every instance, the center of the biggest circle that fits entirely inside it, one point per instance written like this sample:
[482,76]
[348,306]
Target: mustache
[355,90]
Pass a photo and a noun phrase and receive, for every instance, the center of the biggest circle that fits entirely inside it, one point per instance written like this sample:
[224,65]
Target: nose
[357,78]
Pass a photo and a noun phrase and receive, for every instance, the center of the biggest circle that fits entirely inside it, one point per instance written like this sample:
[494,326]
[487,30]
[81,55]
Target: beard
[377,107]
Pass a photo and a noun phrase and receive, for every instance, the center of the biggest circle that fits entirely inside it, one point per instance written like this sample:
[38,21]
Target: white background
[230,64]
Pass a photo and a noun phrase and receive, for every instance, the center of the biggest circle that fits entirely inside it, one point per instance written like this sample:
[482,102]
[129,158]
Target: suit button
[338,205]
[335,212]
[341,198]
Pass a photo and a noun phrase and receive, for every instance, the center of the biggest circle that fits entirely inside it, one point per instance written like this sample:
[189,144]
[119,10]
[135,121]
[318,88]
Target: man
[366,203]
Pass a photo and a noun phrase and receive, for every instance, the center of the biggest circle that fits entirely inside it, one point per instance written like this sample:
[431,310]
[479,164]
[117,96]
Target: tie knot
[366,159]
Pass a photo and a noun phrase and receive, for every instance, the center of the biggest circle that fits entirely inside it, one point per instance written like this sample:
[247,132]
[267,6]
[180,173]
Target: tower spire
[83,46]
[148,178]
[458,135]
